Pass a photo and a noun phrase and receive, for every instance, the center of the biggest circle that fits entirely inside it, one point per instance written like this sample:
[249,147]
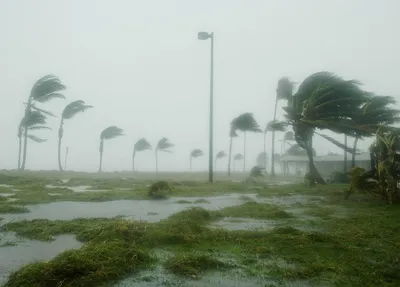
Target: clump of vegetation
[340,177]
[8,208]
[92,265]
[193,264]
[255,210]
[160,190]
[182,201]
[201,200]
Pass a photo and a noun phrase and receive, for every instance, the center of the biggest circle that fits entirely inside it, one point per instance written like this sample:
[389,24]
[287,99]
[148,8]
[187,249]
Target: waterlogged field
[104,230]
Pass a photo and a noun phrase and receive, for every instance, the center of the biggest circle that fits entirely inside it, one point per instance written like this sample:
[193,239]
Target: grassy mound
[9,208]
[160,190]
[192,264]
[93,265]
[255,210]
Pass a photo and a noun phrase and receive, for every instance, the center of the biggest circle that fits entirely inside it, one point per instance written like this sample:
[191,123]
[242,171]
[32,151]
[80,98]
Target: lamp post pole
[205,36]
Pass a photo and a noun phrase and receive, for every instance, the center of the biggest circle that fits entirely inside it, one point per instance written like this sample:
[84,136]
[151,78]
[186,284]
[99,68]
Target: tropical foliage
[194,154]
[273,126]
[70,110]
[232,134]
[237,157]
[109,133]
[163,145]
[219,155]
[140,145]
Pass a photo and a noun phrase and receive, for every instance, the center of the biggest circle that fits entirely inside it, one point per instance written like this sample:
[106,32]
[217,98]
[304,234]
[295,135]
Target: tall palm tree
[194,154]
[232,134]
[140,145]
[109,133]
[284,91]
[35,121]
[220,154]
[69,112]
[44,90]
[245,123]
[236,158]
[273,126]
[323,101]
[163,145]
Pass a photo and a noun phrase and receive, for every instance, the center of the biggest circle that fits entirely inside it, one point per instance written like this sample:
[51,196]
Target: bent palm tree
[232,134]
[194,154]
[139,146]
[220,154]
[68,113]
[44,90]
[109,133]
[245,123]
[236,158]
[163,145]
[35,121]
[273,126]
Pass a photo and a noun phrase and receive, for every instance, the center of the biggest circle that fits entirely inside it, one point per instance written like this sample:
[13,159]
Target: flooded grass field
[87,230]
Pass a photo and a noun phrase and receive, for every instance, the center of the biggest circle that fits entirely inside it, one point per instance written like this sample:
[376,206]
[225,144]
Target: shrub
[160,190]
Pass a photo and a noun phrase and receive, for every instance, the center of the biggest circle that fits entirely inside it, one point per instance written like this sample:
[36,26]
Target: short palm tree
[236,158]
[35,121]
[163,145]
[109,133]
[273,126]
[232,134]
[194,154]
[245,123]
[44,90]
[69,112]
[140,145]
[220,154]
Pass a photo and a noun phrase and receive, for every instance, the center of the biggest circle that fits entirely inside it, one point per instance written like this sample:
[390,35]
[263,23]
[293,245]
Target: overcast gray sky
[140,64]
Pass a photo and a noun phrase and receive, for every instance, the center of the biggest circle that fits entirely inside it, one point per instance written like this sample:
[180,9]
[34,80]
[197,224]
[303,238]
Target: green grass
[9,208]
[255,210]
[182,201]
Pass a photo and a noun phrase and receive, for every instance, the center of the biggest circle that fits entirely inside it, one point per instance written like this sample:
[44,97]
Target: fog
[141,66]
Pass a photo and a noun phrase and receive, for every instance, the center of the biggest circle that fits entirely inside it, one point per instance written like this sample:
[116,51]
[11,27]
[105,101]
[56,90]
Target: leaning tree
[219,155]
[163,145]
[109,133]
[194,154]
[70,110]
[140,145]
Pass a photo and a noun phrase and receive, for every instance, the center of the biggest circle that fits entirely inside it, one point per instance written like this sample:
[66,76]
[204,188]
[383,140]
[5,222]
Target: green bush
[160,190]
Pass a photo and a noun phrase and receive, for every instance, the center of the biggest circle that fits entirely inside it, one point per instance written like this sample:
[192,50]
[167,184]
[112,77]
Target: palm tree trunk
[60,135]
[230,157]
[215,165]
[234,161]
[273,142]
[345,155]
[27,114]
[66,158]
[133,159]
[244,152]
[190,164]
[101,154]
[315,177]
[19,150]
[156,160]
[353,156]
[265,150]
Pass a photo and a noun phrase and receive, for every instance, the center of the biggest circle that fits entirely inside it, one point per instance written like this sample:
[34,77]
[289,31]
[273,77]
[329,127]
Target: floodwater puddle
[147,210]
[244,224]
[27,251]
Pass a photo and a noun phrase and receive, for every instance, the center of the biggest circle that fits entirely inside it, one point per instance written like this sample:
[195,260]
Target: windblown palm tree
[236,158]
[140,145]
[163,145]
[68,113]
[44,90]
[194,154]
[232,134]
[323,101]
[273,126]
[220,154]
[245,123]
[35,121]
[109,133]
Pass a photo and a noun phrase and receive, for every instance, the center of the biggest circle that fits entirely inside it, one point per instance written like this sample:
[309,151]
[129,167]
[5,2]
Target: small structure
[326,164]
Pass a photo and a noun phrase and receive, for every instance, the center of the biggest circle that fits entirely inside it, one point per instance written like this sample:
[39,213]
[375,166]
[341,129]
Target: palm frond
[238,156]
[36,128]
[284,91]
[47,88]
[74,108]
[196,153]
[42,111]
[232,133]
[337,143]
[33,118]
[276,125]
[111,132]
[245,123]
[36,139]
[142,145]
[164,144]
[221,154]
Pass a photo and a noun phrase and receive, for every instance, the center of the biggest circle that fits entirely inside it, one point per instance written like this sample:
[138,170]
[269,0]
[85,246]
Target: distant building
[326,164]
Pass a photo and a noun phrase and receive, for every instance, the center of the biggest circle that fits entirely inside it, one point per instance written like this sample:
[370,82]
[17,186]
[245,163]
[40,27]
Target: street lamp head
[203,35]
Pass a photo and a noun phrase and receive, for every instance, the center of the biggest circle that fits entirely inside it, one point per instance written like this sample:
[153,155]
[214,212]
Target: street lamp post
[206,36]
